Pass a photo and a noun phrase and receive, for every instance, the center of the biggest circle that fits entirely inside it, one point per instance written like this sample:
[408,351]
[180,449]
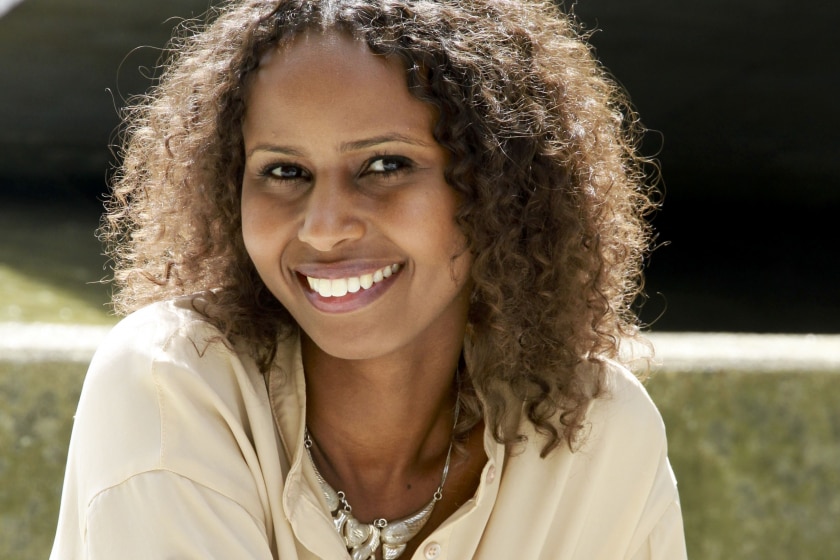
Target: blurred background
[742,102]
[743,99]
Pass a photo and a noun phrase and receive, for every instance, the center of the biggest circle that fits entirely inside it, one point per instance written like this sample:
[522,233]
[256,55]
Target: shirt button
[491,474]
[431,551]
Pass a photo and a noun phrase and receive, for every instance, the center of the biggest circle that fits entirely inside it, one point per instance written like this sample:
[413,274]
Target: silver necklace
[364,539]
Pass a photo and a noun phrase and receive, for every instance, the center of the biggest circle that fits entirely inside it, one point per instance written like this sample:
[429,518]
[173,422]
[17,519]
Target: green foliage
[757,458]
[37,403]
[51,265]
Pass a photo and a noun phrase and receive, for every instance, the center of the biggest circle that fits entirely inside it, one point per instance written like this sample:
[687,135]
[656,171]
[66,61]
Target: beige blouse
[175,453]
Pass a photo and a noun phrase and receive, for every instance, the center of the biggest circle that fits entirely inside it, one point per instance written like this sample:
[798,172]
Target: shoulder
[125,359]
[124,371]
[625,406]
[164,391]
[617,473]
[621,418]
[173,422]
[622,428]
[154,327]
[158,345]
[622,448]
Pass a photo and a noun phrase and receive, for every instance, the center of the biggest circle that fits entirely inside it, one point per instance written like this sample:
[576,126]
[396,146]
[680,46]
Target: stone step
[48,342]
[695,352]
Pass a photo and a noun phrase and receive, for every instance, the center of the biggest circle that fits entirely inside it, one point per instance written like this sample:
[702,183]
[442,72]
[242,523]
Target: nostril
[326,234]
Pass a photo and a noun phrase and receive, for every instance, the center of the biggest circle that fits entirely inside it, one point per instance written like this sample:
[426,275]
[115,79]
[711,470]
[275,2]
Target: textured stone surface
[46,342]
[709,352]
[756,456]
[37,403]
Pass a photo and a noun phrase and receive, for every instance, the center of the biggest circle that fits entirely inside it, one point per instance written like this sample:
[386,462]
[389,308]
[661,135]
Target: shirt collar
[304,506]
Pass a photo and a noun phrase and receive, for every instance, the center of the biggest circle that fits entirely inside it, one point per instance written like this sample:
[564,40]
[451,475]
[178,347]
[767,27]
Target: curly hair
[543,149]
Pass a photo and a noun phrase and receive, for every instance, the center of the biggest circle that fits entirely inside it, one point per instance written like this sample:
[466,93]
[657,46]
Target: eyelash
[404,163]
[268,172]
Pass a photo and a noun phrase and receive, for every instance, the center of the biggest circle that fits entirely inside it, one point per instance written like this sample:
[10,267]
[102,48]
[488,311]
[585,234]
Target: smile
[339,287]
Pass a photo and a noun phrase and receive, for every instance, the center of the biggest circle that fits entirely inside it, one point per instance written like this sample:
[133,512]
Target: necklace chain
[364,539]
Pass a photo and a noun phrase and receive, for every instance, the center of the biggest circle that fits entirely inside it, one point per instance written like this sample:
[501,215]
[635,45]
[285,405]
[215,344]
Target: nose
[331,215]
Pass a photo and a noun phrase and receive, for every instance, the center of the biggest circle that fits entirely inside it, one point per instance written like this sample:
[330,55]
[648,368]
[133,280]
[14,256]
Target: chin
[350,347]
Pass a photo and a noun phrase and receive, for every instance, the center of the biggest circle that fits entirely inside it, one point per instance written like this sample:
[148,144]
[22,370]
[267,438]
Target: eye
[386,165]
[286,172]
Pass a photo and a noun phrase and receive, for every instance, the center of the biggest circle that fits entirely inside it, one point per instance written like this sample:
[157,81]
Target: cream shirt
[175,454]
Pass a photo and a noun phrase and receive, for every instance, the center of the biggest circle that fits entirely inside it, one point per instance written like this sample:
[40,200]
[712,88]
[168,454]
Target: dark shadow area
[749,264]
[739,97]
[68,67]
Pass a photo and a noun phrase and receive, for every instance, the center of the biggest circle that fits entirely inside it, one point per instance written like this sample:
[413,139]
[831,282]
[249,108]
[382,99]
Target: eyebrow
[345,146]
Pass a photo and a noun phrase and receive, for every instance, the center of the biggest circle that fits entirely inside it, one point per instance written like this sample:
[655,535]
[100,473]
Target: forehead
[329,75]
[328,58]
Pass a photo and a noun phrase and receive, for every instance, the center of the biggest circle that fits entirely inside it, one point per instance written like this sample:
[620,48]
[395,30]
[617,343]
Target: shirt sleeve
[160,514]
[162,461]
[666,541]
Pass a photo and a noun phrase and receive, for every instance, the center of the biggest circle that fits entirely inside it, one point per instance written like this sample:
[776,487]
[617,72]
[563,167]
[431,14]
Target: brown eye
[287,172]
[387,164]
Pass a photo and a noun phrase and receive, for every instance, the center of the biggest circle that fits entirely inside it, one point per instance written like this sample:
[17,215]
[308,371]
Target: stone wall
[755,452]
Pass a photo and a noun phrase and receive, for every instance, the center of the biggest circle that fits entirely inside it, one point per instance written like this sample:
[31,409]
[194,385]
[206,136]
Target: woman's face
[345,210]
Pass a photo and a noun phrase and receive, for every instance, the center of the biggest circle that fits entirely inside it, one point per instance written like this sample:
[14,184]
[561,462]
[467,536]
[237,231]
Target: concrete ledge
[696,352]
[700,352]
[46,342]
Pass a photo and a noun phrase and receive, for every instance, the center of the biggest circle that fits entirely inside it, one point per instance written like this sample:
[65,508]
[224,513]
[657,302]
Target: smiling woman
[376,259]
[355,194]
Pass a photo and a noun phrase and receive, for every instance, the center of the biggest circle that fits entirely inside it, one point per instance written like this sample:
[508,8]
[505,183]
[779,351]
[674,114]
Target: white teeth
[337,287]
[324,288]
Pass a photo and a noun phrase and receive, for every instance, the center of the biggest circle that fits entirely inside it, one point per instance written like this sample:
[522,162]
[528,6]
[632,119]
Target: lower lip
[349,302]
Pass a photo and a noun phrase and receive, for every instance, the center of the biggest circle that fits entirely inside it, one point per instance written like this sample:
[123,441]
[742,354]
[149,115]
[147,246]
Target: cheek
[261,227]
[250,226]
[440,241]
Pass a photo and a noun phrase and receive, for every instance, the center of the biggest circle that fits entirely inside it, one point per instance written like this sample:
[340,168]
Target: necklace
[364,539]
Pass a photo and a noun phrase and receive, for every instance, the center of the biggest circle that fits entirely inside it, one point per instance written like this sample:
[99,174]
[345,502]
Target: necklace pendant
[339,520]
[367,549]
[364,539]
[355,532]
[403,530]
[391,551]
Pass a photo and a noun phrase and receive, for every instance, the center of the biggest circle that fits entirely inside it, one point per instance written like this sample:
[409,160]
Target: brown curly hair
[543,153]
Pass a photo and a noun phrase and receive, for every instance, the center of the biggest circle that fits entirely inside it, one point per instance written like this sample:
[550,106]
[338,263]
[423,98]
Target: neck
[382,427]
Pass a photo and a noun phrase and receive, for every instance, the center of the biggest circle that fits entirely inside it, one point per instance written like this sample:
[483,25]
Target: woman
[377,257]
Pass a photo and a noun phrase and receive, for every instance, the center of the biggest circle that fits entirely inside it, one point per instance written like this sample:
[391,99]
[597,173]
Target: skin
[343,177]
